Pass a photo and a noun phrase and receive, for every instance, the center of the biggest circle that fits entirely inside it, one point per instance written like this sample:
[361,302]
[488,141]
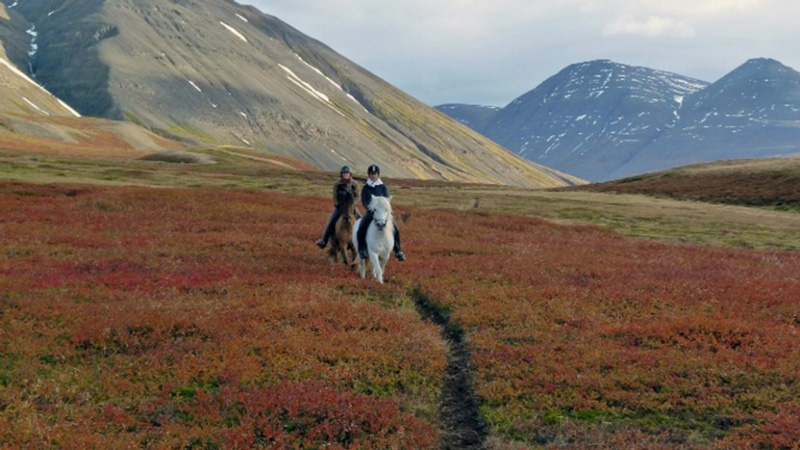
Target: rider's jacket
[377,189]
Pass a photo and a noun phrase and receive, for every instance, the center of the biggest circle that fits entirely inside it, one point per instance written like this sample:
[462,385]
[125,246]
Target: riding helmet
[373,169]
[345,169]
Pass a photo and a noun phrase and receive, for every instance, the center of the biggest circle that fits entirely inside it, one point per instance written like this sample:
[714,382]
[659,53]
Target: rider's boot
[328,229]
[361,235]
[398,253]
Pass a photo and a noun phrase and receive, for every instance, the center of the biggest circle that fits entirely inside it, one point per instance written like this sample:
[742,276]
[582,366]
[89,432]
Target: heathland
[182,304]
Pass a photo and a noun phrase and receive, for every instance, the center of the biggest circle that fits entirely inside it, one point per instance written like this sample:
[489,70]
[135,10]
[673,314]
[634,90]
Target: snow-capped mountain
[602,120]
[754,111]
[591,117]
[214,72]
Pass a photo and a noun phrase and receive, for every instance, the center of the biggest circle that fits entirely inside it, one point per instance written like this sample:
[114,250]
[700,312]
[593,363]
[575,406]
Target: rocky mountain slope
[754,111]
[216,72]
[33,119]
[602,120]
[22,95]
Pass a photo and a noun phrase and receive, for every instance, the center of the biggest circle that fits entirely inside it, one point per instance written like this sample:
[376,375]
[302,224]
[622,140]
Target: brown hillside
[80,137]
[764,182]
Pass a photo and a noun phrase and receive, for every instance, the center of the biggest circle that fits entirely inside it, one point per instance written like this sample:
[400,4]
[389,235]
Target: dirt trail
[460,421]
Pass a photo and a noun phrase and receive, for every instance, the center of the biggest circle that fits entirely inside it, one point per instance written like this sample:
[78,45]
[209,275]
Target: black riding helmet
[345,169]
[373,169]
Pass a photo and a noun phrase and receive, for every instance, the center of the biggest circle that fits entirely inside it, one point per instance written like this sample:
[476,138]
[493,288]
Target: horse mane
[381,203]
[347,203]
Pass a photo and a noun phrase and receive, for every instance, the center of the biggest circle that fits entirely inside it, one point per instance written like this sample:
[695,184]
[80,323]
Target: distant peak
[759,66]
[595,63]
[762,62]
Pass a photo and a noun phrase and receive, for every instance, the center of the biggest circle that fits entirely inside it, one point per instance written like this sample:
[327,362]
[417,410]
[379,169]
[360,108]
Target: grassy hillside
[661,219]
[763,182]
[193,310]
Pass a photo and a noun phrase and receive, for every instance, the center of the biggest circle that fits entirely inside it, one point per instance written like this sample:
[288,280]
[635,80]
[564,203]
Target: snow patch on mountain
[234,31]
[29,80]
[309,88]
[35,106]
[335,84]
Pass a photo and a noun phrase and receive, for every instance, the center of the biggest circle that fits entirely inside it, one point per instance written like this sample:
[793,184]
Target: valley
[175,304]
[664,219]
[160,286]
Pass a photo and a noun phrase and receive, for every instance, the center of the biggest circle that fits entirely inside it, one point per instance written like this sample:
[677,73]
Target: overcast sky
[489,52]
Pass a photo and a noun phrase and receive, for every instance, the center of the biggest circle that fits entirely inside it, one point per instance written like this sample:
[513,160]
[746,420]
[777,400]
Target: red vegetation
[200,318]
[177,318]
[581,337]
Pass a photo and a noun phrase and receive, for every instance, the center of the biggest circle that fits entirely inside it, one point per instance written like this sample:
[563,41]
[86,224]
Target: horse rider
[374,187]
[343,184]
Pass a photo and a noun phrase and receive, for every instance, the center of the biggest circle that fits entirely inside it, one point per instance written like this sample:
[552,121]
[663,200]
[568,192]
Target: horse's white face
[382,211]
[380,217]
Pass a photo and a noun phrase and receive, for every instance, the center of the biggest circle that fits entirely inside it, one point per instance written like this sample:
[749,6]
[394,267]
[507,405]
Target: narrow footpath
[460,421]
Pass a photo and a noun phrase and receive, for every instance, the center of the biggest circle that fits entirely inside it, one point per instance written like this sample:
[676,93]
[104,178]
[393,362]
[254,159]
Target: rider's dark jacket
[369,191]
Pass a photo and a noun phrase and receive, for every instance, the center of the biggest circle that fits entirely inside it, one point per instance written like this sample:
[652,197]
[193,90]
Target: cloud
[702,8]
[491,51]
[653,26]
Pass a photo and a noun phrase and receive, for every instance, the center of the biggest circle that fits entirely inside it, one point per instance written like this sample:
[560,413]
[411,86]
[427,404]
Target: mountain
[754,111]
[27,94]
[473,116]
[602,120]
[213,72]
[592,117]
[32,118]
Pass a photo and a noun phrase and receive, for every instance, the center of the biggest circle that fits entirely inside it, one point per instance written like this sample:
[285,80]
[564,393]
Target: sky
[489,52]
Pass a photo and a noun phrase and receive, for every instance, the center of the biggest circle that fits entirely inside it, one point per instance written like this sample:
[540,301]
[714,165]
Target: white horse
[380,237]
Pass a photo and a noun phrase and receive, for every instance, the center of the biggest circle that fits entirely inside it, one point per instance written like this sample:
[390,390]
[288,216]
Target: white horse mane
[381,203]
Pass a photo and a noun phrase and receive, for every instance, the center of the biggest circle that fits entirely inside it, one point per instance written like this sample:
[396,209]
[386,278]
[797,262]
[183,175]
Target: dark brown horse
[342,239]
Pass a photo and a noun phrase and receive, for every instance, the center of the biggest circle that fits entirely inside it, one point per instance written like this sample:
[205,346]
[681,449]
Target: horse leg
[383,263]
[354,241]
[377,268]
[343,251]
[351,252]
[348,256]
[334,250]
[362,266]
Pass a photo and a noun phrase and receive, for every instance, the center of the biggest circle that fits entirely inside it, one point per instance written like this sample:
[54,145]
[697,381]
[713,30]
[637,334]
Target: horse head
[346,204]
[382,211]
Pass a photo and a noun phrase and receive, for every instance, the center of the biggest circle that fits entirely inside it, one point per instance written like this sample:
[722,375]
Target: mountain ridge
[219,73]
[656,119]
